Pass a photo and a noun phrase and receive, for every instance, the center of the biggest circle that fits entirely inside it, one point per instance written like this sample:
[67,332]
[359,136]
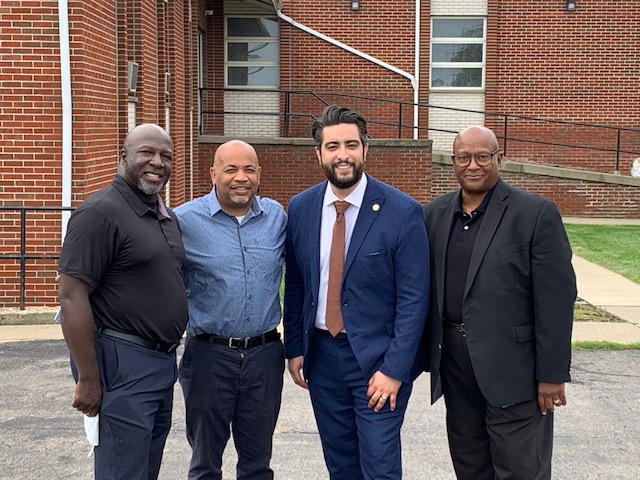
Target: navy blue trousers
[358,443]
[489,442]
[234,388]
[135,415]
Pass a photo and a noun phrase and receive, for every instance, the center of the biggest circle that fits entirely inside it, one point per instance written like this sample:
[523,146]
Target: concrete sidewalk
[613,293]
[596,285]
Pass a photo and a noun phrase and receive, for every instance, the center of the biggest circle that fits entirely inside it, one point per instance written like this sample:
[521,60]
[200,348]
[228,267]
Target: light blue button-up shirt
[232,269]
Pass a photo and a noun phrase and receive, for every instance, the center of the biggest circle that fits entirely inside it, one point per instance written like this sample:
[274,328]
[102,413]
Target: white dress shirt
[326,233]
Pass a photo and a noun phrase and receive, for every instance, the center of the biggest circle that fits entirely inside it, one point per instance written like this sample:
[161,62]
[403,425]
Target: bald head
[145,130]
[146,160]
[477,158]
[236,176]
[475,134]
[234,149]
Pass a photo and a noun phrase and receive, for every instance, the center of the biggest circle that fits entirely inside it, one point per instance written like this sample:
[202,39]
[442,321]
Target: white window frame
[228,63]
[466,40]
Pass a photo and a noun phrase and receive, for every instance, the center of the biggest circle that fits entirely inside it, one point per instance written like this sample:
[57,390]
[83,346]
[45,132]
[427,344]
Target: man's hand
[295,369]
[550,395]
[382,389]
[87,397]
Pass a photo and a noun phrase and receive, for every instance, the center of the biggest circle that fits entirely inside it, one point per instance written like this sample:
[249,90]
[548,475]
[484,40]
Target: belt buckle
[173,347]
[244,344]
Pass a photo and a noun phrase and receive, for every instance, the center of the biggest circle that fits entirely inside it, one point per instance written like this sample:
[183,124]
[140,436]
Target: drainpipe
[65,78]
[416,67]
[414,82]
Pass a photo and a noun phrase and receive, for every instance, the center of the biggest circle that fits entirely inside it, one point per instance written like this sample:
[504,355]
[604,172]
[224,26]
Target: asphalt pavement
[597,435]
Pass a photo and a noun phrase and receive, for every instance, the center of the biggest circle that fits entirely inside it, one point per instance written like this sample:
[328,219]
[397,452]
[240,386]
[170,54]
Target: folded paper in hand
[91,428]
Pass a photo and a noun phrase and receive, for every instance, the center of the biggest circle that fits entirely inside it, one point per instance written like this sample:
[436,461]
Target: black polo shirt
[462,239]
[133,258]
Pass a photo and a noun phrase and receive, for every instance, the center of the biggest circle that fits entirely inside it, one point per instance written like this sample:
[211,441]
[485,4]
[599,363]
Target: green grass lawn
[616,247]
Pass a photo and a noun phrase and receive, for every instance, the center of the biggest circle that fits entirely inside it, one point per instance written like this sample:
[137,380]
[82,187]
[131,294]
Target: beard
[145,186]
[149,188]
[345,182]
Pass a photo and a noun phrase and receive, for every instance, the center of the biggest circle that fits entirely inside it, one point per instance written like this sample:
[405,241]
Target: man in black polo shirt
[124,307]
[500,319]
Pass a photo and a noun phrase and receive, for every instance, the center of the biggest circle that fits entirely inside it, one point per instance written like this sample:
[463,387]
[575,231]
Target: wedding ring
[383,398]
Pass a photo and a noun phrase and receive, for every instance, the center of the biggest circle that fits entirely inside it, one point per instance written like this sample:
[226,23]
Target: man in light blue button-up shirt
[232,368]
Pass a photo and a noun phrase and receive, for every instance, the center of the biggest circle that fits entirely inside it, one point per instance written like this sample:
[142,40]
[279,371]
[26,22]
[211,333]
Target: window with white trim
[457,53]
[252,52]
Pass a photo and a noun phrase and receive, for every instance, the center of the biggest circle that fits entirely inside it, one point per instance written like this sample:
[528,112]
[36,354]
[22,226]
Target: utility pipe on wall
[65,80]
[277,4]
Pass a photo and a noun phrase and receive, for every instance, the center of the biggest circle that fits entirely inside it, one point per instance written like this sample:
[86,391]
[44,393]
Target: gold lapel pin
[375,207]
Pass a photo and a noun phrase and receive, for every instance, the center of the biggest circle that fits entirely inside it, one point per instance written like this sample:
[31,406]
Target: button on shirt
[326,232]
[233,268]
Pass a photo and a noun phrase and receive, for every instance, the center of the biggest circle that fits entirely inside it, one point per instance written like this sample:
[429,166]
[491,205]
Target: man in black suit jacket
[500,319]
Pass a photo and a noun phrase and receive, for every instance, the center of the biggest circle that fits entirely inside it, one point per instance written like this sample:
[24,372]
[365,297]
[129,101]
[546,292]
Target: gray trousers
[135,415]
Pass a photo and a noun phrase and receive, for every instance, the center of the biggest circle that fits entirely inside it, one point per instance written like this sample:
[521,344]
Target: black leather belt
[240,342]
[158,347]
[455,327]
[339,336]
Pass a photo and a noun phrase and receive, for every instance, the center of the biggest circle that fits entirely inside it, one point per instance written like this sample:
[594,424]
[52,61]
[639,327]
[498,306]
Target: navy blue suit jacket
[385,287]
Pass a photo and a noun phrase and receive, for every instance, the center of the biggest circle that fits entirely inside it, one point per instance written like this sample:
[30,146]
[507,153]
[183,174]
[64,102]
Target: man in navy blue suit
[358,359]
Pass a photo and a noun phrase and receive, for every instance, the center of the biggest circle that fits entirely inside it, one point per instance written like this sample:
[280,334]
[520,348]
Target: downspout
[65,80]
[416,67]
[414,83]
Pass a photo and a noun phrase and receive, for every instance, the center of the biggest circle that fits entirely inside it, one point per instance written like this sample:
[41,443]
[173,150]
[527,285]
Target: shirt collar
[215,207]
[355,198]
[482,208]
[135,202]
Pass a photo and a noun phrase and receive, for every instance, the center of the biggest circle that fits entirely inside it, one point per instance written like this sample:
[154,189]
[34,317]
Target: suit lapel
[372,205]
[444,220]
[495,210]
[314,218]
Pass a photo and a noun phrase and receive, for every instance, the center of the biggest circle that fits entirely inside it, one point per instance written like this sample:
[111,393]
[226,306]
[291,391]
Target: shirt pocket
[524,333]
[511,250]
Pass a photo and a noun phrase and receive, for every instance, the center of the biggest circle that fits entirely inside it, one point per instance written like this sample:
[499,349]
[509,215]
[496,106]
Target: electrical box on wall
[132,76]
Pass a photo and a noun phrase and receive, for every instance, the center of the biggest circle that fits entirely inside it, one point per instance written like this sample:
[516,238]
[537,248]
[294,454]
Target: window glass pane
[456,52]
[252,51]
[252,27]
[458,27]
[456,77]
[254,76]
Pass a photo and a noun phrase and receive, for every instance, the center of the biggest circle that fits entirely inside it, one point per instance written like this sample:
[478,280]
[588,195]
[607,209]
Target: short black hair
[335,115]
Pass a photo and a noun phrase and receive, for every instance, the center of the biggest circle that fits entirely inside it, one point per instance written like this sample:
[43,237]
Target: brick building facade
[208,70]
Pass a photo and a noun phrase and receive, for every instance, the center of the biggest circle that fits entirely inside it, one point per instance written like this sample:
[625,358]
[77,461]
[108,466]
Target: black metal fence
[22,255]
[510,128]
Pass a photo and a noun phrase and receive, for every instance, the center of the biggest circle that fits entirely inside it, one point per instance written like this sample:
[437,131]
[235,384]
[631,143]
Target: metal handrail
[23,256]
[287,114]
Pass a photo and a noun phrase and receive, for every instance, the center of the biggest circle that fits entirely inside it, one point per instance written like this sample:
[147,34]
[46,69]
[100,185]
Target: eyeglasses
[482,159]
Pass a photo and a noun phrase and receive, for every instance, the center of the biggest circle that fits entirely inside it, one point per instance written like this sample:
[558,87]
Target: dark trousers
[358,443]
[488,442]
[228,388]
[135,415]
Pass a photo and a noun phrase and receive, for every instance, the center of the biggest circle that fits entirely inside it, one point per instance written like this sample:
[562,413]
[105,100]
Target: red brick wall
[383,30]
[150,32]
[288,169]
[30,142]
[580,66]
[575,198]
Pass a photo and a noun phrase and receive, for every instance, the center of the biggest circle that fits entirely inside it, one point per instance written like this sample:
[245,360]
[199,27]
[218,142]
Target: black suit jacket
[518,298]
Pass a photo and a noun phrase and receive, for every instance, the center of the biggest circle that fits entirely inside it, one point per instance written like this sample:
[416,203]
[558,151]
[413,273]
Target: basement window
[457,53]
[252,52]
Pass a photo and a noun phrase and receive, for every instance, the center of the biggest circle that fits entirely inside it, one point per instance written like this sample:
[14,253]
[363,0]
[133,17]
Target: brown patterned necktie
[333,317]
